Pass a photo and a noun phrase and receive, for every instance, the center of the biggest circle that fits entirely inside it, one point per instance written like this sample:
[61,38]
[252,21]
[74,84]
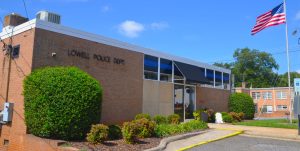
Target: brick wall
[216,99]
[122,83]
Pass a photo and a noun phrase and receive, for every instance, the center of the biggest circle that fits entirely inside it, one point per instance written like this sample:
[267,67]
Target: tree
[282,80]
[252,66]
[224,65]
[241,102]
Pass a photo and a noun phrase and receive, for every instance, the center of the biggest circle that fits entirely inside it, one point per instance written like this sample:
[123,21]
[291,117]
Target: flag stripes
[273,17]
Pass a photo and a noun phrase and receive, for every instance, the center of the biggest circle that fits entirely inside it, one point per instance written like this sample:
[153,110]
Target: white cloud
[297,15]
[105,8]
[159,25]
[298,71]
[131,28]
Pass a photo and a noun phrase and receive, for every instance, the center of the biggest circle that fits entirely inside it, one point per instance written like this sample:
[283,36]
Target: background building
[269,102]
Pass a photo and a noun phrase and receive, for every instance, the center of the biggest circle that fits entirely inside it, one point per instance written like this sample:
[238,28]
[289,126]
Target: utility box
[7,112]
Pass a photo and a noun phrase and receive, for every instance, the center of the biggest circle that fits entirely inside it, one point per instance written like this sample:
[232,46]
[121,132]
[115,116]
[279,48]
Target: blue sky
[205,31]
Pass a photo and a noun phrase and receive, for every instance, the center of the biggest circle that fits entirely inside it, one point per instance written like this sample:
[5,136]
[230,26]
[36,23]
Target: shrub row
[164,130]
[160,119]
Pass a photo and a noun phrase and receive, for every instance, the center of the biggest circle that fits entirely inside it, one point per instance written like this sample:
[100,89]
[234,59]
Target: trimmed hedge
[241,102]
[61,102]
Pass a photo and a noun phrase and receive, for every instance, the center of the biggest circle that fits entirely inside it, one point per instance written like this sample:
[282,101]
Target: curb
[213,140]
[164,142]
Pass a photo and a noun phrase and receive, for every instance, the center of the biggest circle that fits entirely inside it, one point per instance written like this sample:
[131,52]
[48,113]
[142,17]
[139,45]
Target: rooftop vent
[49,17]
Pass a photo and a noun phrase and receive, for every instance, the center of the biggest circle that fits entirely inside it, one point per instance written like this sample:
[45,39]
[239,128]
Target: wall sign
[97,57]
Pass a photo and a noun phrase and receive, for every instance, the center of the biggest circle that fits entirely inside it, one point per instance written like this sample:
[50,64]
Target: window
[281,107]
[255,106]
[150,67]
[281,95]
[256,95]
[218,78]
[178,76]
[267,95]
[267,109]
[16,52]
[226,81]
[165,70]
[210,76]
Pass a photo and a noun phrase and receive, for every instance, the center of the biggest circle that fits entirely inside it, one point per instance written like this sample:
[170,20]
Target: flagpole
[288,60]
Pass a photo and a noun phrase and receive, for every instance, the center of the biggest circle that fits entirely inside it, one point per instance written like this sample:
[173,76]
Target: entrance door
[189,102]
[184,101]
[179,100]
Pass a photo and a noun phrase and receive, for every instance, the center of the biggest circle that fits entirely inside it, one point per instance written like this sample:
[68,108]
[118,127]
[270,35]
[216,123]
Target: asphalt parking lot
[246,143]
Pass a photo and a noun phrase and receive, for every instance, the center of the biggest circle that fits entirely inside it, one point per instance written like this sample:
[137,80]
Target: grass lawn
[277,123]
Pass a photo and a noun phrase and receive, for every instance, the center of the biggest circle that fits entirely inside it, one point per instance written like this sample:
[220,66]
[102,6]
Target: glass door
[184,101]
[189,102]
[179,100]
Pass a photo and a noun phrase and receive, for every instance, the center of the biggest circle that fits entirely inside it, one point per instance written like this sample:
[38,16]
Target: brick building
[134,79]
[269,102]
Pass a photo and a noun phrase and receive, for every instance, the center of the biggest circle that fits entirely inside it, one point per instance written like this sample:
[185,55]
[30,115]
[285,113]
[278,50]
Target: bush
[98,134]
[159,119]
[142,115]
[171,129]
[237,117]
[164,130]
[227,118]
[114,132]
[141,128]
[241,102]
[211,116]
[192,125]
[197,114]
[145,127]
[129,132]
[174,119]
[61,102]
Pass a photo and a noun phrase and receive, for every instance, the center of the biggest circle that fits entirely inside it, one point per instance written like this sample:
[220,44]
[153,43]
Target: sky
[205,31]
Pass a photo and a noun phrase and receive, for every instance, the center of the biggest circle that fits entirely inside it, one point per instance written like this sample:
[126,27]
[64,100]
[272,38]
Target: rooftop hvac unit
[49,17]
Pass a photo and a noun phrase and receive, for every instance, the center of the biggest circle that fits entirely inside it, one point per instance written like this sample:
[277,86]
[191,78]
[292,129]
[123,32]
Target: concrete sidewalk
[280,133]
[210,136]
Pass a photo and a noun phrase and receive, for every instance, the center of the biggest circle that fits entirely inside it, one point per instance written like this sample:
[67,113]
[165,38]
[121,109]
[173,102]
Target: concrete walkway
[211,135]
[281,133]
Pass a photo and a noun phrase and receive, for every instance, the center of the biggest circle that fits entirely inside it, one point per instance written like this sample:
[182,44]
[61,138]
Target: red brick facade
[119,71]
[269,102]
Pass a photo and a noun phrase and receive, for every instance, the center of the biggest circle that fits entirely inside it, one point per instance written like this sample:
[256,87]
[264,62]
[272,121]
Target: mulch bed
[118,145]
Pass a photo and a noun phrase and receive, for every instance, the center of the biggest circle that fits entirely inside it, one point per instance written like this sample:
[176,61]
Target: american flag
[273,17]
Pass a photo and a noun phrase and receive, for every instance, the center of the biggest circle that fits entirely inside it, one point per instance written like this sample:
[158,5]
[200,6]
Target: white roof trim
[35,23]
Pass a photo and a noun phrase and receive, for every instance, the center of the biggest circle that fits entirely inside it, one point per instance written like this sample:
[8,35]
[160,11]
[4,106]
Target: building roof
[35,23]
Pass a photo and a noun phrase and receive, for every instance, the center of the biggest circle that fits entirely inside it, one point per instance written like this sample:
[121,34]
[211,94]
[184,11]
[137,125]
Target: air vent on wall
[49,17]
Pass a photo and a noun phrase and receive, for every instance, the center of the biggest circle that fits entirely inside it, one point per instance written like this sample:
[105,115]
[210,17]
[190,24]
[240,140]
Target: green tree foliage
[252,66]
[282,80]
[61,102]
[241,102]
